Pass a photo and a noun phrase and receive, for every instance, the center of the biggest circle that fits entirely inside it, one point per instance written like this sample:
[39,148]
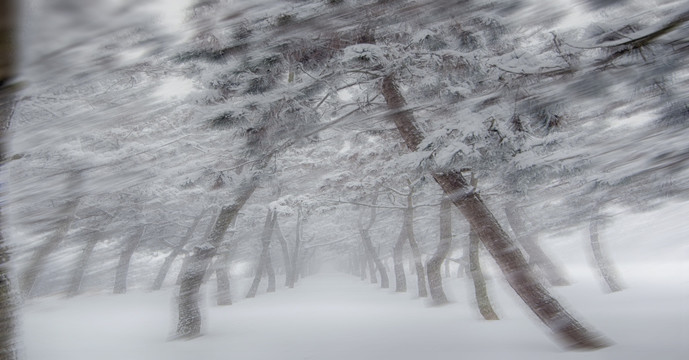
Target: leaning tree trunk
[264,258]
[398,261]
[553,274]
[270,271]
[165,268]
[8,51]
[78,274]
[28,278]
[480,291]
[222,276]
[605,267]
[435,280]
[125,258]
[285,252]
[503,249]
[189,313]
[416,253]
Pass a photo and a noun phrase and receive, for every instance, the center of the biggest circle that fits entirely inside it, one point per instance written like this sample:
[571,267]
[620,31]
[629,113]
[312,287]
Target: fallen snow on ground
[338,316]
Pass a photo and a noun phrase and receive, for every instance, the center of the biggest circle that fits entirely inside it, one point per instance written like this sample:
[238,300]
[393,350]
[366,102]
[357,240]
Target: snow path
[337,316]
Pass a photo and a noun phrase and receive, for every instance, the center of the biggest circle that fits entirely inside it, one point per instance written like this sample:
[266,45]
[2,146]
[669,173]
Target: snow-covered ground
[337,316]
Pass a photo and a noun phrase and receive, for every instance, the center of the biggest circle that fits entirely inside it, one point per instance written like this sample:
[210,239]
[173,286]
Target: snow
[337,316]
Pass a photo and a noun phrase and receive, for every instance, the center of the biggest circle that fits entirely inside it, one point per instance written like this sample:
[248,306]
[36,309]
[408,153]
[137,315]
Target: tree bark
[501,247]
[480,291]
[125,258]
[435,280]
[165,268]
[8,18]
[270,271]
[295,252]
[78,274]
[224,296]
[189,315]
[398,259]
[363,261]
[28,278]
[370,249]
[418,262]
[285,252]
[264,257]
[371,268]
[553,274]
[603,264]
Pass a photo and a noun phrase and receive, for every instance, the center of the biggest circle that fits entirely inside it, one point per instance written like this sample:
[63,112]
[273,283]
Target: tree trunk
[189,324]
[503,249]
[78,274]
[447,267]
[371,268]
[165,268]
[418,262]
[285,253]
[480,291]
[223,281]
[264,257]
[125,258]
[435,281]
[363,261]
[8,18]
[553,274]
[370,249]
[271,273]
[295,252]
[398,258]
[28,278]
[189,315]
[605,267]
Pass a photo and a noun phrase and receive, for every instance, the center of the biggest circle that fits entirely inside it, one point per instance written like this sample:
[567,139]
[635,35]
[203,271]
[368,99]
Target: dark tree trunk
[503,249]
[285,253]
[264,257]
[447,267]
[605,267]
[221,270]
[189,324]
[165,268]
[398,259]
[480,291]
[553,274]
[125,258]
[189,321]
[435,281]
[28,278]
[78,274]
[8,17]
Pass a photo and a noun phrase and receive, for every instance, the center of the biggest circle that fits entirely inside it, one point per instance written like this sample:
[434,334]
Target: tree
[8,347]
[435,280]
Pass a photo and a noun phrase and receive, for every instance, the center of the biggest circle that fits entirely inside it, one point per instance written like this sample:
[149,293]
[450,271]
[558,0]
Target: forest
[410,178]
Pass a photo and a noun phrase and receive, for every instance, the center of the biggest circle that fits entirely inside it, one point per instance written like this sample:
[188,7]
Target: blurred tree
[8,55]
